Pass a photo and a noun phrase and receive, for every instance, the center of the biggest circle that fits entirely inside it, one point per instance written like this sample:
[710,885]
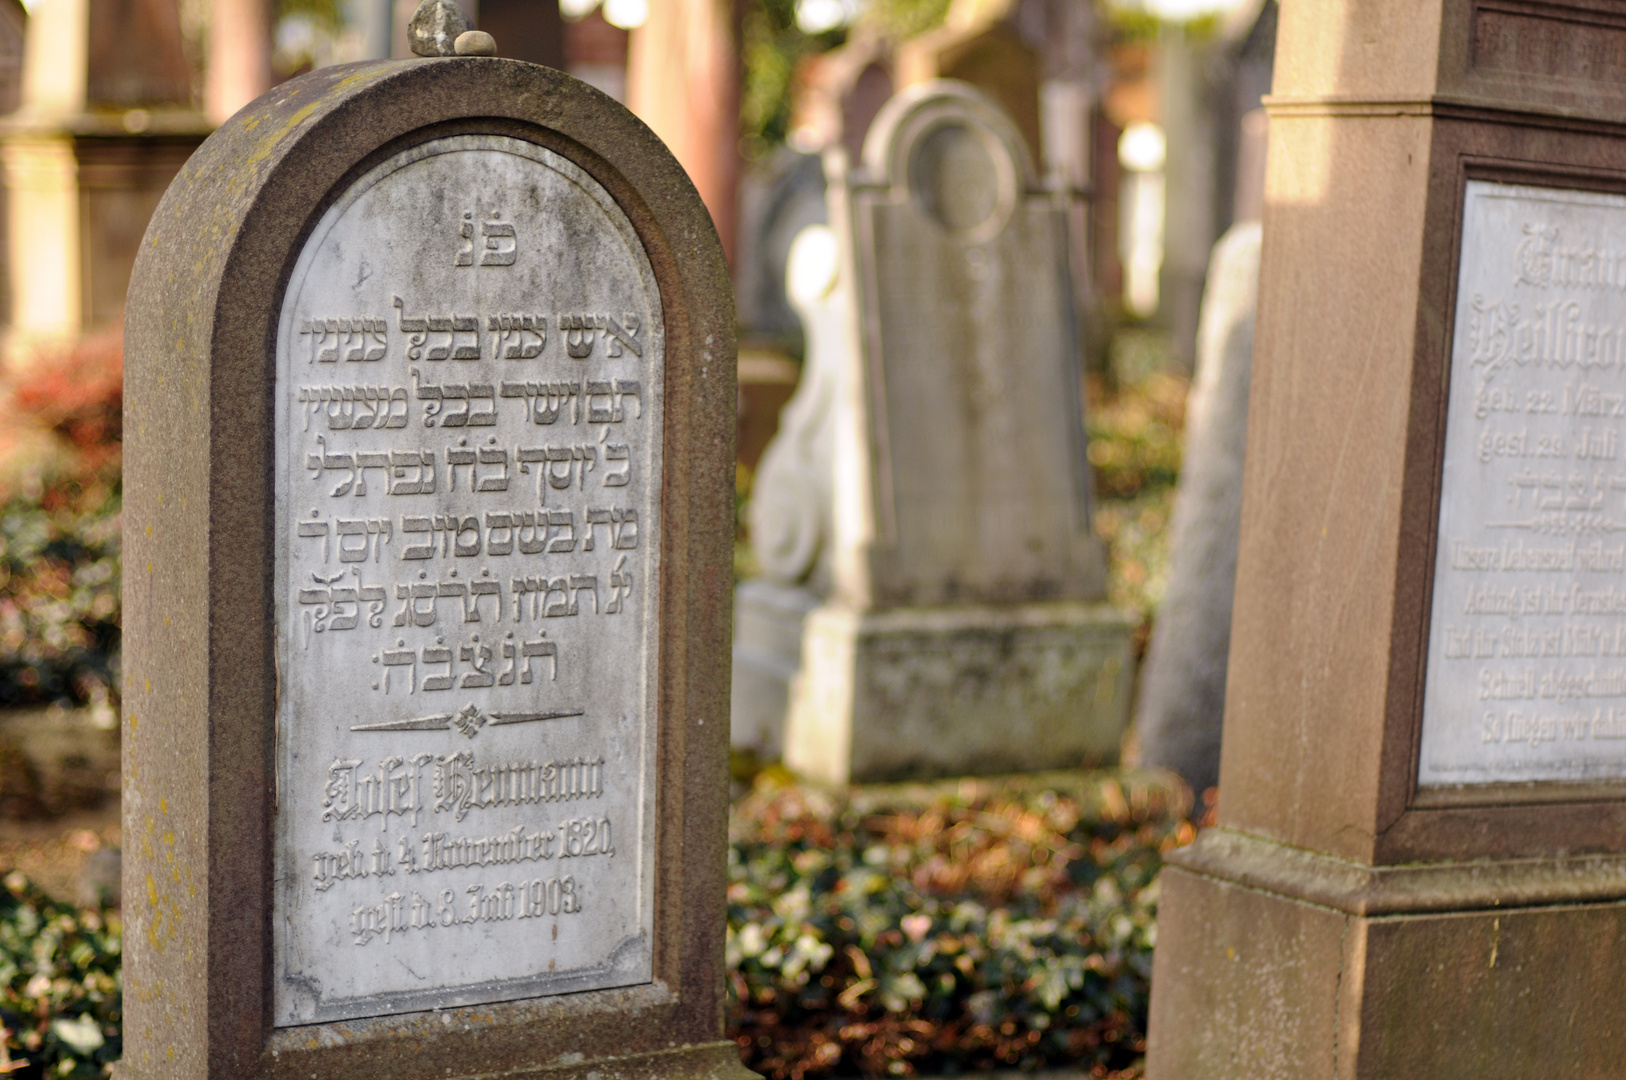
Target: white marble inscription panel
[469,378]
[1527,642]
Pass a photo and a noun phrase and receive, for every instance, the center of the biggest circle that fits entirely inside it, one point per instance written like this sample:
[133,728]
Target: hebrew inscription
[1526,675]
[468,445]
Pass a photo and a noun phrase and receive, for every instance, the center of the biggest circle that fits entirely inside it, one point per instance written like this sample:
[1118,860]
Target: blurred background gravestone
[966,631]
[1182,688]
[106,119]
[792,505]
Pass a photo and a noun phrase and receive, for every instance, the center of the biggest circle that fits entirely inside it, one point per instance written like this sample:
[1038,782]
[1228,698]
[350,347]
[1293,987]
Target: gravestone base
[767,650]
[719,1060]
[1269,955]
[958,691]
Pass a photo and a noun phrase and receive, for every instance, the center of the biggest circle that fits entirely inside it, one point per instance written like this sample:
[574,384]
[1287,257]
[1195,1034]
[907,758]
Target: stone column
[683,80]
[1418,869]
[239,56]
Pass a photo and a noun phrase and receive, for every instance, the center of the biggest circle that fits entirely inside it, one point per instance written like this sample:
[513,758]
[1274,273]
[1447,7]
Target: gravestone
[429,528]
[966,632]
[792,502]
[1419,867]
[1182,687]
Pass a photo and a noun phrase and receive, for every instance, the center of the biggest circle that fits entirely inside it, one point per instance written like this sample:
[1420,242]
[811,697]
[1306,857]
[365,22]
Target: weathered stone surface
[977,488]
[972,689]
[435,28]
[472,356]
[475,43]
[960,485]
[1182,689]
[791,502]
[1273,961]
[768,619]
[217,442]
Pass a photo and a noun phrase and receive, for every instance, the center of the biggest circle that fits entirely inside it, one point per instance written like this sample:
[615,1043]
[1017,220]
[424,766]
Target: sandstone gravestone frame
[967,630]
[1419,868]
[430,385]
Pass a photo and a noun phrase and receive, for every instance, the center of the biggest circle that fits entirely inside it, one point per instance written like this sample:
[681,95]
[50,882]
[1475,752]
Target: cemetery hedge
[968,925]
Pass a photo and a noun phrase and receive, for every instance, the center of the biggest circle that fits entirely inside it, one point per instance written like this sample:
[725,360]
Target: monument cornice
[1443,106]
[1255,862]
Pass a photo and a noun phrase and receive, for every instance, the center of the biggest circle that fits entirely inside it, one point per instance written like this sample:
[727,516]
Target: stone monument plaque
[1526,676]
[469,416]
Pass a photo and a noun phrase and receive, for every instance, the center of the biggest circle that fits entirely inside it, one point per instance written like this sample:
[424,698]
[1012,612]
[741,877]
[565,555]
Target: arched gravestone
[430,382]
[967,631]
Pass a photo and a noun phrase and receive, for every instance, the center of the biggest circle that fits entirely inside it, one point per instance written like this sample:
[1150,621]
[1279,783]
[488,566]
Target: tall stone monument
[966,632]
[1420,864]
[430,384]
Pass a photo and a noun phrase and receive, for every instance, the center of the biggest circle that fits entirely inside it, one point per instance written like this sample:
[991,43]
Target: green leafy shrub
[61,993]
[974,925]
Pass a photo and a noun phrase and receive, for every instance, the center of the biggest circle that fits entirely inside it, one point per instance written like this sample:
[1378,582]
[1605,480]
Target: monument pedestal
[969,689]
[1274,961]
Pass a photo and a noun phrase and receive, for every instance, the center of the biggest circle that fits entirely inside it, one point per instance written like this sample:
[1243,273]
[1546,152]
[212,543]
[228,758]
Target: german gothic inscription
[469,420]
[1527,642]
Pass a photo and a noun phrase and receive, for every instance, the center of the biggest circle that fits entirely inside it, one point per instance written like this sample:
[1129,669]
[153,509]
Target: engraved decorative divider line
[468,720]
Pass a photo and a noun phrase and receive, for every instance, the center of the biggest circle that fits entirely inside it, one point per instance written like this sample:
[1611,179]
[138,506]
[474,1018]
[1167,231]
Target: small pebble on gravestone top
[475,43]
[435,28]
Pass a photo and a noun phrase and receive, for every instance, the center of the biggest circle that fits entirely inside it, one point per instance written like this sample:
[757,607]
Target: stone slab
[967,690]
[468,513]
[962,475]
[1527,641]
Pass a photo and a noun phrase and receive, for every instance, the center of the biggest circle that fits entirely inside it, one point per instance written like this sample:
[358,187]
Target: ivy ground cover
[963,926]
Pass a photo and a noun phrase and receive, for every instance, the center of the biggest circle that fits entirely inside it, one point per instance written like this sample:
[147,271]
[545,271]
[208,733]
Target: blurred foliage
[328,14]
[61,991]
[775,51]
[60,534]
[950,927]
[1136,418]
[899,19]
[771,47]
[745,559]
